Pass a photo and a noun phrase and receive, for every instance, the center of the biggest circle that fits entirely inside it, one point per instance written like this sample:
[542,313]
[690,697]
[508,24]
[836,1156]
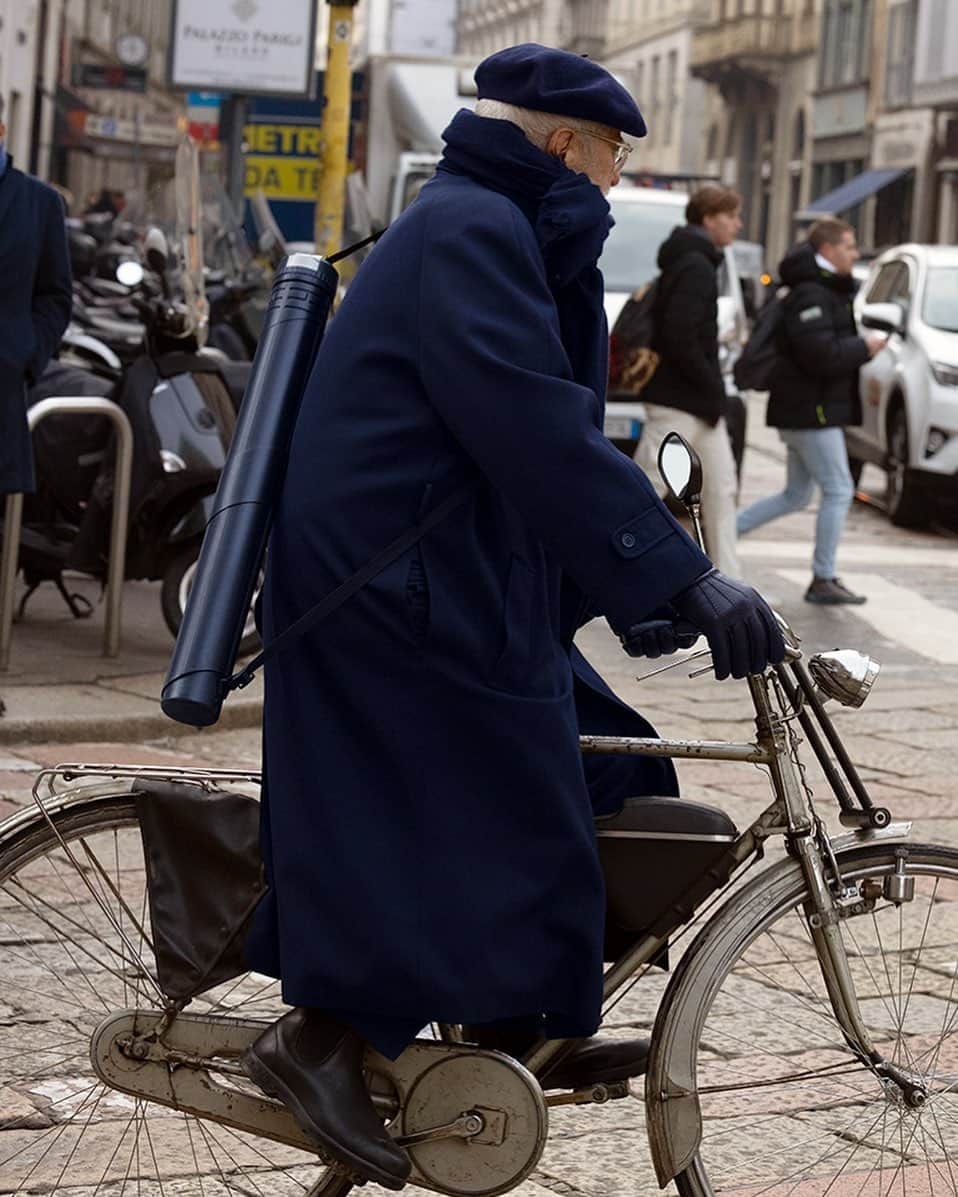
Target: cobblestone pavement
[766,1022]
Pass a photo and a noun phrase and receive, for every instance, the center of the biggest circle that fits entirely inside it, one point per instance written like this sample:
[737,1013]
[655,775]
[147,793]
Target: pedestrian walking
[813,396]
[428,826]
[686,394]
[35,302]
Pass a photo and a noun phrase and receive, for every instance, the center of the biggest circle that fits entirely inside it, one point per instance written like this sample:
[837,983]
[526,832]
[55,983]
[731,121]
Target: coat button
[628,540]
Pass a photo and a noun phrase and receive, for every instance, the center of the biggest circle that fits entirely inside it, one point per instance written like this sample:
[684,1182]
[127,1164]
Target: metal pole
[337,90]
[12,517]
[235,158]
[116,568]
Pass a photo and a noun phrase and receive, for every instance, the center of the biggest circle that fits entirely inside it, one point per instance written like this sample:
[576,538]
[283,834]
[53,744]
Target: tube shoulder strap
[345,590]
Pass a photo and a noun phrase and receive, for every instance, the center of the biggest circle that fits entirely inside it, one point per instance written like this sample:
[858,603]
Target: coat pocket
[513,669]
[417,596]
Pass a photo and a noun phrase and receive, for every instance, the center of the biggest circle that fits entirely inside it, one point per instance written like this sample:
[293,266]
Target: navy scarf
[570,217]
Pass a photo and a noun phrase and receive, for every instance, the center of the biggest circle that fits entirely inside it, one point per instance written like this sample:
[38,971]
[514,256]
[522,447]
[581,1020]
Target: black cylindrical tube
[249,487]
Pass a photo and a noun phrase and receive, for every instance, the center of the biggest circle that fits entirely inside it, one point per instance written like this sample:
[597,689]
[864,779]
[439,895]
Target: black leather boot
[589,1062]
[313,1064]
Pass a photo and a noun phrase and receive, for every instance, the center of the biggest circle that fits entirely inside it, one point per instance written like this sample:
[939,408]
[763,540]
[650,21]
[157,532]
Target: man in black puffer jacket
[814,395]
[686,393]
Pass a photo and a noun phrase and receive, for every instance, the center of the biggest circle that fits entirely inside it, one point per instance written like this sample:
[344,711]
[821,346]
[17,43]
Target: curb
[122,729]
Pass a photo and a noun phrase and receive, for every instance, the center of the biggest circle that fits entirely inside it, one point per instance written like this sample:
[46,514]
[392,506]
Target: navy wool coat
[35,303]
[427,822]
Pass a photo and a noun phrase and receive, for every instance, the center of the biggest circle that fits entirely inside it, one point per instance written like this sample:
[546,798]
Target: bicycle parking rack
[13,519]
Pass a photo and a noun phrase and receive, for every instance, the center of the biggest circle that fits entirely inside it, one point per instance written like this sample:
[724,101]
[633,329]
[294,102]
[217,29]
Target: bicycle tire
[61,1129]
[741,960]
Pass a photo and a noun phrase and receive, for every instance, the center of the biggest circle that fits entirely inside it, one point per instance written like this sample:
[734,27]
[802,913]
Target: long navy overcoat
[35,302]
[428,829]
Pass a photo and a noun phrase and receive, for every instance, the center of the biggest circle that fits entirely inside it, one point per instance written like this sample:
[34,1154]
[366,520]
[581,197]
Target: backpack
[763,350]
[632,360]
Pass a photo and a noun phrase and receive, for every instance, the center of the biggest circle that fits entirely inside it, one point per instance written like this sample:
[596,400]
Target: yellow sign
[300,141]
[283,178]
[283,161]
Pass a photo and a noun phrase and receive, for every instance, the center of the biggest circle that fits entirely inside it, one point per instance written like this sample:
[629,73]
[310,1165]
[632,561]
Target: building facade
[71,115]
[935,90]
[121,139]
[485,26]
[757,58]
[649,48]
[19,49]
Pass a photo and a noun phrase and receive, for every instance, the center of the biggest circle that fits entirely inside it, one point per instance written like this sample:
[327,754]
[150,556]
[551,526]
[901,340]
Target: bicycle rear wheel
[75,946]
[787,1110]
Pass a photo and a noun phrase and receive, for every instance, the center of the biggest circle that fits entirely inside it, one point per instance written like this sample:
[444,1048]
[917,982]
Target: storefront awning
[850,194]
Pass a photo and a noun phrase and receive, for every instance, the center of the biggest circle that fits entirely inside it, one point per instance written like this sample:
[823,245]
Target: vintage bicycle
[806,1042]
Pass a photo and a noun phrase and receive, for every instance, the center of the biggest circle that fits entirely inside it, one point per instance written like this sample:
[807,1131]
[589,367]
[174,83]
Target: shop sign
[252,47]
[282,160]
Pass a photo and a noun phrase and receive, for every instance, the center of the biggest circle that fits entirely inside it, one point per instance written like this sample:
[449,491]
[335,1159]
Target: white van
[644,217]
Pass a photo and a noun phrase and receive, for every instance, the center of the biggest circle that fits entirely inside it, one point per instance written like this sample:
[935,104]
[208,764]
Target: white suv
[644,218]
[909,391]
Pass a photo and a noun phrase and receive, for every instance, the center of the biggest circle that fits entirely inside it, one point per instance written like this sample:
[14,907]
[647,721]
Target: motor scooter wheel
[175,591]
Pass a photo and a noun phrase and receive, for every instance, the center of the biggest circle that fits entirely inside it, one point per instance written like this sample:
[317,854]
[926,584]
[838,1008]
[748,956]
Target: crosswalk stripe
[900,614]
[857,554]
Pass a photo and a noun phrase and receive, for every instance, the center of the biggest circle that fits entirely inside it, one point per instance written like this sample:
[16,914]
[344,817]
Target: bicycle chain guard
[474,1122]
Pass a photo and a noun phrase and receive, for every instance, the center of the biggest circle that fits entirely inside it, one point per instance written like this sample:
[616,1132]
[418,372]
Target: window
[639,82]
[886,283]
[654,97]
[899,60]
[671,96]
[846,37]
[941,299]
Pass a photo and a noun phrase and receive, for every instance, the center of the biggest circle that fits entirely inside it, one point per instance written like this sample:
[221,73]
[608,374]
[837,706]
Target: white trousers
[719,485]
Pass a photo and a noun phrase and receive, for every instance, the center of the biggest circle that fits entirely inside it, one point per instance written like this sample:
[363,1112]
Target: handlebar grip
[682,632]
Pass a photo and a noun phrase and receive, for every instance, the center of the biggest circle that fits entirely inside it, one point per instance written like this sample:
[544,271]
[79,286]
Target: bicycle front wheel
[74,947]
[754,1090]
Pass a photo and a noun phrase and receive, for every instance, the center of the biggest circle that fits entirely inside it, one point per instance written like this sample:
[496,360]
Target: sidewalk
[60,688]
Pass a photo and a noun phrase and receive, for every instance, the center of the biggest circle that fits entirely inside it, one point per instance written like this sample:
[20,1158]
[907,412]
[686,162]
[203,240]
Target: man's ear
[559,142]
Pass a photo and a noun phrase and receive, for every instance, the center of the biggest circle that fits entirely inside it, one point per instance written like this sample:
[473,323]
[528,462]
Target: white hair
[537,126]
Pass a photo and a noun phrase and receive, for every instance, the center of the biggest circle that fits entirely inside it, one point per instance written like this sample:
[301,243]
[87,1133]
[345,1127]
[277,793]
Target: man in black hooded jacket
[814,395]
[686,393]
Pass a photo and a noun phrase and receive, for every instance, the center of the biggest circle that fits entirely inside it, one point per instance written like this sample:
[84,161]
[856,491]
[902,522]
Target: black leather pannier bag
[204,877]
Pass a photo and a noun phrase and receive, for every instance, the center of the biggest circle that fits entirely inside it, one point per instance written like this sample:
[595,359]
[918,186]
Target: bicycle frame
[781,697]
[790,815]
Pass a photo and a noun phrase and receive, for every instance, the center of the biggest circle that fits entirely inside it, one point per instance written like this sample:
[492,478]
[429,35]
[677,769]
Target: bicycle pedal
[354,1177]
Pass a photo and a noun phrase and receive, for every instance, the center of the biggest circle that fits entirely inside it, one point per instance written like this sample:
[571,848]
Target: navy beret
[548,80]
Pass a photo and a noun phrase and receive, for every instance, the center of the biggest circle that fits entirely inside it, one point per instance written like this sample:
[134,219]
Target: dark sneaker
[831,592]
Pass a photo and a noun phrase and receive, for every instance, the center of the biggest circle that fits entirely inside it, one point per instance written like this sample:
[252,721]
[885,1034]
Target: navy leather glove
[737,622]
[657,638]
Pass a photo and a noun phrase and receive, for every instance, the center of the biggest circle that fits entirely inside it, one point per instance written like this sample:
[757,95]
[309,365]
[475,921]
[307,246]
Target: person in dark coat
[686,394]
[813,396]
[428,824]
[35,303]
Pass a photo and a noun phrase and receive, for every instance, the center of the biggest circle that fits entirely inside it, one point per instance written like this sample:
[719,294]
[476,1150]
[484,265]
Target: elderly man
[427,821]
[35,302]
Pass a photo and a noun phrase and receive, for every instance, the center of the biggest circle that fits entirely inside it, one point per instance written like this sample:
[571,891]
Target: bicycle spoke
[75,942]
[781,1061]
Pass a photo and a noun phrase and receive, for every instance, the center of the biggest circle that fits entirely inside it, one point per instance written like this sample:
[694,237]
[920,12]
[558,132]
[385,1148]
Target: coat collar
[569,214]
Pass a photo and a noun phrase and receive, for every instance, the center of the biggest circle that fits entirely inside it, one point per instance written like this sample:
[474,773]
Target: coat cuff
[656,562]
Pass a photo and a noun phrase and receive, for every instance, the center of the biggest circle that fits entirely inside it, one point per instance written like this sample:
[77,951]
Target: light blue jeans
[815,456]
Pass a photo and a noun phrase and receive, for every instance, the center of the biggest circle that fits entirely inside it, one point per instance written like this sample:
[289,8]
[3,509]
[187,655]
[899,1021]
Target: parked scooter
[182,415]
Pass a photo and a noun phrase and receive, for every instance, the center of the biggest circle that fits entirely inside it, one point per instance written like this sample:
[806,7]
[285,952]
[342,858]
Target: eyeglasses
[622,150]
